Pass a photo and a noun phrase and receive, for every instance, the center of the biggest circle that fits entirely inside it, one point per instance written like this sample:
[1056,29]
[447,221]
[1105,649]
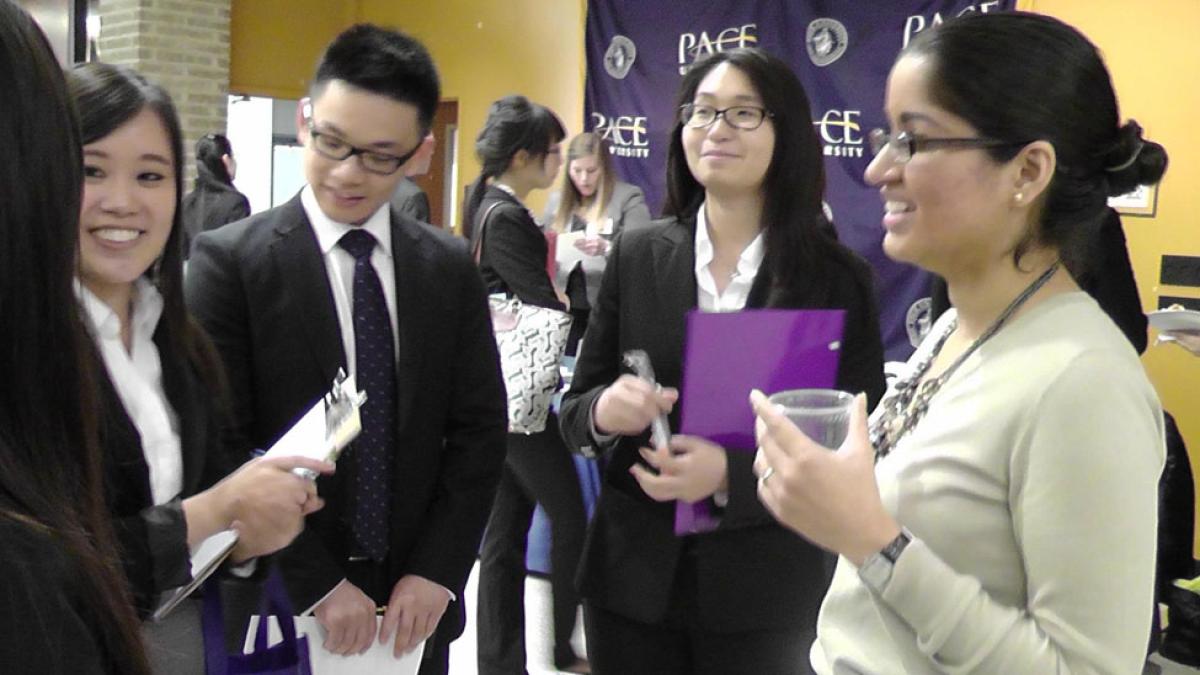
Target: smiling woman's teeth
[115,234]
[896,207]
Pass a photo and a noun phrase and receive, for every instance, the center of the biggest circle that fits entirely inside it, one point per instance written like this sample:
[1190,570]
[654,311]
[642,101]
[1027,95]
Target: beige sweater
[1031,488]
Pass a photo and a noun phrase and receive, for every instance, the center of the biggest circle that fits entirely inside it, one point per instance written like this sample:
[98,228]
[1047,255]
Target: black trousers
[538,469]
[679,645]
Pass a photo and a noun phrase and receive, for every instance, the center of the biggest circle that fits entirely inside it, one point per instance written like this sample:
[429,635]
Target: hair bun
[1132,160]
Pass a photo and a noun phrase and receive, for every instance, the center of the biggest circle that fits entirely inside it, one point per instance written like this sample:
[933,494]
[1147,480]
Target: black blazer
[153,539]
[261,290]
[211,204]
[752,574]
[512,258]
[410,200]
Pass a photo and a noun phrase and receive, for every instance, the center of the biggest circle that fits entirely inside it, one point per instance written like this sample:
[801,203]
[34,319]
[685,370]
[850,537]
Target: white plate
[1175,319]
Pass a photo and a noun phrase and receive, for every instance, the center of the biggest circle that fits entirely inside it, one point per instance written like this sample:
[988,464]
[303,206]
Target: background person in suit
[409,199]
[336,279]
[161,380]
[592,200]
[64,606]
[745,230]
[518,149]
[214,201]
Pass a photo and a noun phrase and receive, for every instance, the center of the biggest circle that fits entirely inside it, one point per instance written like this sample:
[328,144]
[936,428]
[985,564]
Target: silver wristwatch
[876,570]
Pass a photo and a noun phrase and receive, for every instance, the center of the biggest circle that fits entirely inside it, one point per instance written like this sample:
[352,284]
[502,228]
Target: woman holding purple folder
[744,230]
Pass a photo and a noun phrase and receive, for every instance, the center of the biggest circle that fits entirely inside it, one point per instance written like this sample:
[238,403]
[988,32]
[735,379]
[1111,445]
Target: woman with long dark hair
[160,379]
[997,513]
[64,607]
[518,148]
[213,201]
[745,181]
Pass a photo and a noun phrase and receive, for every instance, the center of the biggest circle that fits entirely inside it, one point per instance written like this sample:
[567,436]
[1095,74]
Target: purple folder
[727,355]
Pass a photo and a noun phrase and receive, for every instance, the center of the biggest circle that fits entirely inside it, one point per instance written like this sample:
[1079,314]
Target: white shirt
[137,376]
[339,265]
[738,291]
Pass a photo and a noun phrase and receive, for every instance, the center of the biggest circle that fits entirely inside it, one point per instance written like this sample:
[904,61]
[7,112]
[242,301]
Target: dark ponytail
[514,123]
[209,151]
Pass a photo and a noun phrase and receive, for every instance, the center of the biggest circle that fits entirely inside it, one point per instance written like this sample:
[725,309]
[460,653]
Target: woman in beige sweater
[998,512]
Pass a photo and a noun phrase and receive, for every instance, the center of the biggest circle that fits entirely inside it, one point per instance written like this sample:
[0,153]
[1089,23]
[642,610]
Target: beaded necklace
[909,401]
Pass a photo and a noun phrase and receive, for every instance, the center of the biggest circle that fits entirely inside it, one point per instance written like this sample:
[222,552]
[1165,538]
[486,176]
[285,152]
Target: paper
[377,659]
[1175,319]
[729,354]
[320,434]
[567,256]
[207,557]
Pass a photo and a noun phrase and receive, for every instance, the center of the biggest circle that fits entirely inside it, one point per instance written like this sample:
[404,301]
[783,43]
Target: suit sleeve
[417,206]
[515,250]
[475,442]
[634,212]
[217,297]
[598,363]
[240,210]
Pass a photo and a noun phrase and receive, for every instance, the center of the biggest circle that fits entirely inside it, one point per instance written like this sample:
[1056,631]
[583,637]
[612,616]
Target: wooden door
[440,173]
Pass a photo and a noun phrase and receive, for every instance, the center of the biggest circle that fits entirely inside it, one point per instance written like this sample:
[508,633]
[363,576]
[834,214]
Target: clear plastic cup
[822,414]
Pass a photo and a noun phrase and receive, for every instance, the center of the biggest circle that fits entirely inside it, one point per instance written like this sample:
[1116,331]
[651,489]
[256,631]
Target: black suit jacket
[153,539]
[261,290]
[752,574]
[513,250]
[410,200]
[210,205]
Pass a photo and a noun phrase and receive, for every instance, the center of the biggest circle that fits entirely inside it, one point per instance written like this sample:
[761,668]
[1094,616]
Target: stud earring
[1019,197]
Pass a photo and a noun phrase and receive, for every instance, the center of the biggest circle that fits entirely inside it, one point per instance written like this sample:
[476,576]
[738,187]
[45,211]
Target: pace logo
[620,57]
[826,40]
[841,132]
[918,320]
[917,22]
[693,46]
[626,134]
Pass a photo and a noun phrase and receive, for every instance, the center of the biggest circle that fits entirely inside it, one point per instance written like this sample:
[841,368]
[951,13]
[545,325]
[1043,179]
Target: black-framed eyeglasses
[380,163]
[744,117]
[904,145]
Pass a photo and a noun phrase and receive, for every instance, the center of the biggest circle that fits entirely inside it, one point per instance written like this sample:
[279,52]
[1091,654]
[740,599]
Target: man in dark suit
[336,279]
[409,198]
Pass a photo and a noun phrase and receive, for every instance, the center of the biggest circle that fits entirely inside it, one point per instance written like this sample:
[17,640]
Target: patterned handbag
[531,341]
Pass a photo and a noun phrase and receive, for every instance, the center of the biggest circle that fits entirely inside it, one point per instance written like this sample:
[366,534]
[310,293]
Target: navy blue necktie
[375,374]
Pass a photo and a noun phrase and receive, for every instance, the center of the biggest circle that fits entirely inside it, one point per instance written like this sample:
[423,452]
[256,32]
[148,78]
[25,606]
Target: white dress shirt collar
[330,231]
[738,290]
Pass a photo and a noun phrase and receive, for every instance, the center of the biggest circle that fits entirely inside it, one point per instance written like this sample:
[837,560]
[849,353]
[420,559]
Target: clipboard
[727,355]
[321,433]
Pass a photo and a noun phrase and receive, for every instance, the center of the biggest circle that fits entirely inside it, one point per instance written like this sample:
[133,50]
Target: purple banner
[841,51]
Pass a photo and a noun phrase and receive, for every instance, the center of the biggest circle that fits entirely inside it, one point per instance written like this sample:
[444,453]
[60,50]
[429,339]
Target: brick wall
[182,45]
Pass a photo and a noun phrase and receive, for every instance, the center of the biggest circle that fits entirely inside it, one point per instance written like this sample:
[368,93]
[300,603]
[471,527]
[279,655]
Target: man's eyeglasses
[744,117]
[381,163]
[904,145]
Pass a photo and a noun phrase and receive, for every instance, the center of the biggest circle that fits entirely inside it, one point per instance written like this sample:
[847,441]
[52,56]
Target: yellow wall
[274,44]
[485,50]
[1152,52]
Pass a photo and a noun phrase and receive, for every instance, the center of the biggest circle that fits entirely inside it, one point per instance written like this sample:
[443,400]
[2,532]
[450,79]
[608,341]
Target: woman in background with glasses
[997,515]
[745,230]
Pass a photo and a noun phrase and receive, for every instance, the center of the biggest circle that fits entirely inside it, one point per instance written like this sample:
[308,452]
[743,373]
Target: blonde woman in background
[591,200]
